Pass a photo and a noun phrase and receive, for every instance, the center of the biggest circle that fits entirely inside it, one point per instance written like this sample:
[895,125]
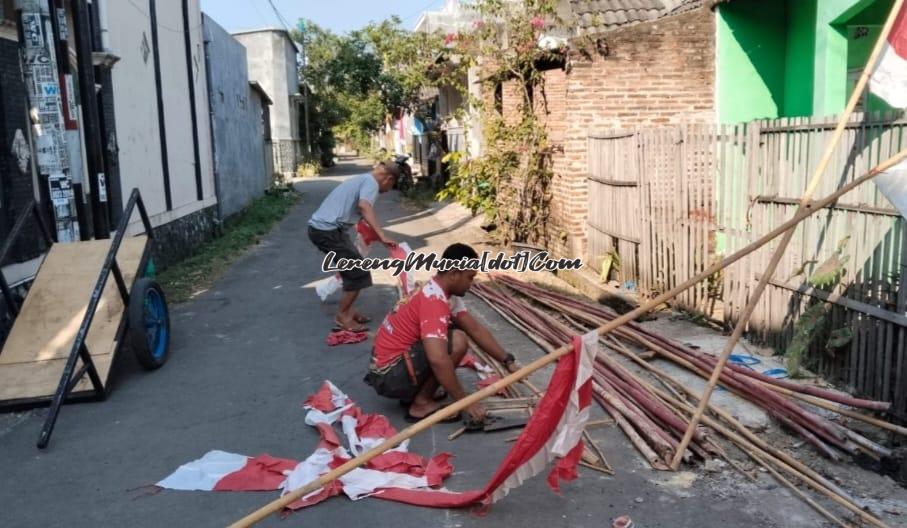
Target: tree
[358,79]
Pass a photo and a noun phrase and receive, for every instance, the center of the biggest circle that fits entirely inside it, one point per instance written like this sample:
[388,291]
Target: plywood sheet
[41,339]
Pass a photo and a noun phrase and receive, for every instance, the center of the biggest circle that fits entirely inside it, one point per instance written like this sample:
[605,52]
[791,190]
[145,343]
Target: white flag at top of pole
[889,83]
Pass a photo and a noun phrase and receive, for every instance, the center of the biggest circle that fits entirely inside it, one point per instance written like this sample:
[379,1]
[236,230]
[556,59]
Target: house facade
[664,62]
[160,101]
[272,63]
[239,114]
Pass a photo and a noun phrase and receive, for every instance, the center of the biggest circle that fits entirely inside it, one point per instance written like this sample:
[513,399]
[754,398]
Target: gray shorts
[402,379]
[338,241]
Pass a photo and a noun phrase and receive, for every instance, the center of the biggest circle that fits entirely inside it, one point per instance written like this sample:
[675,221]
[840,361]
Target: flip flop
[413,419]
[441,395]
[358,328]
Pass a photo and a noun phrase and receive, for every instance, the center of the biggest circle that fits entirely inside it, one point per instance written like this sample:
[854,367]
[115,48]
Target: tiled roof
[598,16]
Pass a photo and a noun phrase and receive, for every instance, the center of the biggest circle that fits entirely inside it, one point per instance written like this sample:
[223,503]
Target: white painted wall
[135,105]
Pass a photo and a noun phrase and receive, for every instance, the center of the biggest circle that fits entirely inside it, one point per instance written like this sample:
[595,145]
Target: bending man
[424,338]
[329,231]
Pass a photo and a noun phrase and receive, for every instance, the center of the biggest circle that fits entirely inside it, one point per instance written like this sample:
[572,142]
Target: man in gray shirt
[329,231]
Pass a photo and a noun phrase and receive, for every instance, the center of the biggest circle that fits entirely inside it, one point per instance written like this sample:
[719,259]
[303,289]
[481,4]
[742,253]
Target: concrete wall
[236,120]
[272,63]
[135,103]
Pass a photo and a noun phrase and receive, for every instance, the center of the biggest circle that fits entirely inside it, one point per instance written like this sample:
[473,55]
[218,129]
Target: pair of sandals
[360,320]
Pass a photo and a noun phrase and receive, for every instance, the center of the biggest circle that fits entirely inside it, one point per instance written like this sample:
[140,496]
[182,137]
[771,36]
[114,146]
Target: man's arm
[368,213]
[442,366]
[484,338]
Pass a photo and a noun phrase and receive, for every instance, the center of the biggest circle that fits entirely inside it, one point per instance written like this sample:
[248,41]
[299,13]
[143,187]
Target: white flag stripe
[893,184]
[203,474]
[889,80]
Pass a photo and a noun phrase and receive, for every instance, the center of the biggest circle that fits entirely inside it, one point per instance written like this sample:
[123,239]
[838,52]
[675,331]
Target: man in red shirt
[422,340]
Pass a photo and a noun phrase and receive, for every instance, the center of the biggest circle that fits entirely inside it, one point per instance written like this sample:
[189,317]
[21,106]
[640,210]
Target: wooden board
[42,336]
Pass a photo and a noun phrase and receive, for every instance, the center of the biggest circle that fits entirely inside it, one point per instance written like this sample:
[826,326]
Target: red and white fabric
[889,82]
[222,471]
[553,435]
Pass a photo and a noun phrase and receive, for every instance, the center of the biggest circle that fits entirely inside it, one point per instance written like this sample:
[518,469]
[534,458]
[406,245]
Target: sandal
[357,328]
[413,419]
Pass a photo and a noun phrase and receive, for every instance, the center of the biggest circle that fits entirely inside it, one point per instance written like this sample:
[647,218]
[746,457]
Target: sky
[337,15]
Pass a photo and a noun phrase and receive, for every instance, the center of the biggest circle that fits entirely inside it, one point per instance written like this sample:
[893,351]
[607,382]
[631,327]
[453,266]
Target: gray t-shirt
[340,209]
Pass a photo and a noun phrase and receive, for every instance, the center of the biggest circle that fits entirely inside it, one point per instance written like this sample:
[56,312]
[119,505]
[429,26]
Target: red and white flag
[552,436]
[889,82]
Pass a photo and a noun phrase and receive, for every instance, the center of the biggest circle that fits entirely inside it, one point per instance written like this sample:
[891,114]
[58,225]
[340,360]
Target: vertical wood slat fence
[671,201]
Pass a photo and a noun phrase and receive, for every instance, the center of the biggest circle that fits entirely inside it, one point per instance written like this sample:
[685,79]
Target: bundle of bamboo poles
[654,419]
[654,428]
[776,396]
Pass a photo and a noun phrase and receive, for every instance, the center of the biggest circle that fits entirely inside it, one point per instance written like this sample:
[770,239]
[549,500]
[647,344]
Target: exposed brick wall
[655,73]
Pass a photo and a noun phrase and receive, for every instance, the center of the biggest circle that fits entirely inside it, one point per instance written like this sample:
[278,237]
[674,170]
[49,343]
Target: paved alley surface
[246,353]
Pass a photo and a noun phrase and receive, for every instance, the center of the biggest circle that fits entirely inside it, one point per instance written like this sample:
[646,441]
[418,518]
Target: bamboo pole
[492,389]
[788,236]
[761,452]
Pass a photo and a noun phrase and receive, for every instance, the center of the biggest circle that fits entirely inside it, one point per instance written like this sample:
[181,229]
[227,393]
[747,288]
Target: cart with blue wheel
[67,332]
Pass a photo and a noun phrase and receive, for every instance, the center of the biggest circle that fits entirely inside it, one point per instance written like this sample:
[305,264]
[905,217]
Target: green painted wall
[799,84]
[789,58]
[752,40]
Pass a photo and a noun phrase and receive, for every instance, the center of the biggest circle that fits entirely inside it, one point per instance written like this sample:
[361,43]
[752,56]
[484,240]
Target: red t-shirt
[425,313]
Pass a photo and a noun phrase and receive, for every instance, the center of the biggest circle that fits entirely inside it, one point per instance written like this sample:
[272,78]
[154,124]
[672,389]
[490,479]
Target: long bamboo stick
[788,236]
[461,405]
[756,447]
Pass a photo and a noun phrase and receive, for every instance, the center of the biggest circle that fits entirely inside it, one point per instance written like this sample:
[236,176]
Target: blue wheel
[149,324]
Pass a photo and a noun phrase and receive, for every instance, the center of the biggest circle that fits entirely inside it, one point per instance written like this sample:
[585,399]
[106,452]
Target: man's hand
[476,413]
[389,242]
[513,366]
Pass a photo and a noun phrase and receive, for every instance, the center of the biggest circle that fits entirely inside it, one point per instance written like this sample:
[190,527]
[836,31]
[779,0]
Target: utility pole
[91,119]
[45,109]
[305,88]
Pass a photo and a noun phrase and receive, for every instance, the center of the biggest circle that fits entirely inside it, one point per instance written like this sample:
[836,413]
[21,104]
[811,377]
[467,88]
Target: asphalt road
[244,356]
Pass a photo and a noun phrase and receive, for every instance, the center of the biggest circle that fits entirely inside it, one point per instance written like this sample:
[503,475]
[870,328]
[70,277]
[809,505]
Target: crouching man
[422,340]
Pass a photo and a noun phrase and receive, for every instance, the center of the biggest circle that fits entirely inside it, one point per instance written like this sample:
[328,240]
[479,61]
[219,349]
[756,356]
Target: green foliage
[826,277]
[356,80]
[811,322]
[839,338]
[186,278]
[510,182]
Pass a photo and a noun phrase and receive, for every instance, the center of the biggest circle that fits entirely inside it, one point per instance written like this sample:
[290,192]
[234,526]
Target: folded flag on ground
[553,435]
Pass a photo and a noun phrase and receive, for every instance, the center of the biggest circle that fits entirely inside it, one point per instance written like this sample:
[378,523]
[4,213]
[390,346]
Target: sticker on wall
[102,187]
[21,151]
[32,35]
[61,23]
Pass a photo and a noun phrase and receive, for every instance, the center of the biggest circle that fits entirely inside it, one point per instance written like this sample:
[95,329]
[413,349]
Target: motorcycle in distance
[405,182]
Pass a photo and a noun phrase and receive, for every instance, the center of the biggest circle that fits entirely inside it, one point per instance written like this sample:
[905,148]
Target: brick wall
[655,74]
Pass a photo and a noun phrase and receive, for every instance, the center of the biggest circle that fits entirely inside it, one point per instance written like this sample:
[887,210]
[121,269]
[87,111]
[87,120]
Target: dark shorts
[336,240]
[396,380]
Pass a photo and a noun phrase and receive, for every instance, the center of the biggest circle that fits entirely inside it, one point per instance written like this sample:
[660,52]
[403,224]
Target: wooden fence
[671,201]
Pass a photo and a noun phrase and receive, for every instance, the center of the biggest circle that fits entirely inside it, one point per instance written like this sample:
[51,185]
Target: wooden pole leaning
[461,405]
[782,246]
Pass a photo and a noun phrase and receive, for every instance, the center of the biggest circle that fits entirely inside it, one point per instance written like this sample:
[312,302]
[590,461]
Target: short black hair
[391,168]
[459,251]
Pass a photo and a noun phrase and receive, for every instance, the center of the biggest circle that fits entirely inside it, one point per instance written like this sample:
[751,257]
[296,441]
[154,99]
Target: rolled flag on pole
[889,83]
